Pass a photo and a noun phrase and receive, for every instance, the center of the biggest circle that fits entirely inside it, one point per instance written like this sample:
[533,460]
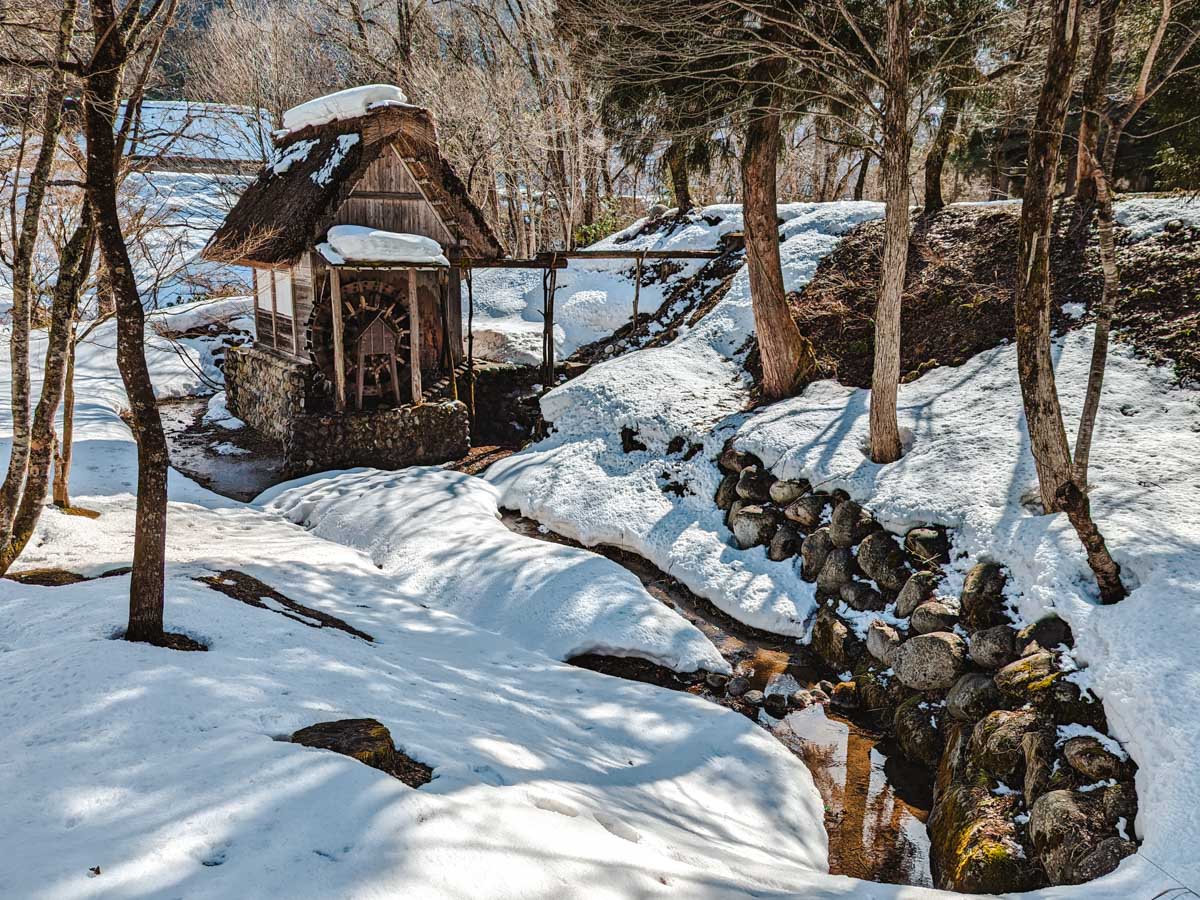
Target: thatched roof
[284,213]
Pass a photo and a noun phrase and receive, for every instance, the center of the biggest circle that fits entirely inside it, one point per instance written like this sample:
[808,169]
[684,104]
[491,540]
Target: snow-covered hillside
[967,466]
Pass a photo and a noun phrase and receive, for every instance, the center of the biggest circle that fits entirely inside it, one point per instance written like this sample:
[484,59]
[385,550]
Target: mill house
[355,235]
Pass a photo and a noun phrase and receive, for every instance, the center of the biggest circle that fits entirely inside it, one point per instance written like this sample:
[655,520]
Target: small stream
[876,803]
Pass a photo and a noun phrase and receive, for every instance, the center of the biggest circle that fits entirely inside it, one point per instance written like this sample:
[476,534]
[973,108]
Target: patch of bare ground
[252,592]
[959,288]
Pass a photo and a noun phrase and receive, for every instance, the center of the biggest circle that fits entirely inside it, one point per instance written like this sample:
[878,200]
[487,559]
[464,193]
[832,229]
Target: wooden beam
[274,316]
[637,293]
[339,351]
[636,254]
[414,327]
[386,195]
[538,263]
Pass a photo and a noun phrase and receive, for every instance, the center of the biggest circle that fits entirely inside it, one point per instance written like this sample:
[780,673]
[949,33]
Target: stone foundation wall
[270,394]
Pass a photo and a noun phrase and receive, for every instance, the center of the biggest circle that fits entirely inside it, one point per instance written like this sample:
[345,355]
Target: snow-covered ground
[967,465]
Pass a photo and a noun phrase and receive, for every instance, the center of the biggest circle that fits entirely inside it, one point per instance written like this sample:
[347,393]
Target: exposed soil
[876,803]
[959,289]
[252,592]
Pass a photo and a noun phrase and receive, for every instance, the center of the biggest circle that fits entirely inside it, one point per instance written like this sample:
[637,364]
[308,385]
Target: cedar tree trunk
[676,158]
[935,160]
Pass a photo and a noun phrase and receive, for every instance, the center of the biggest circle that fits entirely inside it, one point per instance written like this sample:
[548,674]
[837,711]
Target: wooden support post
[414,326]
[339,351]
[637,293]
[448,329]
[274,316]
[549,283]
[471,346]
[295,324]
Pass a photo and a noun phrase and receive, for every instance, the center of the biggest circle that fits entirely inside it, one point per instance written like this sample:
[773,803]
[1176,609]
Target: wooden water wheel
[364,302]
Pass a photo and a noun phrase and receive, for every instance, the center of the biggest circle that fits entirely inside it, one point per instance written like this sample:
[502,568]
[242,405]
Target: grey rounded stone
[1103,859]
[1091,759]
[807,511]
[785,544]
[813,552]
[819,696]
[734,508]
[754,484]
[726,492]
[881,558]
[917,589]
[1065,828]
[832,640]
[861,596]
[754,698]
[825,685]
[754,526]
[930,662]
[737,686]
[997,742]
[788,491]
[732,460]
[800,699]
[993,648]
[982,600]
[973,696]
[1044,634]
[849,524]
[882,641]
[838,571]
[928,546]
[933,615]
[776,705]
[716,681]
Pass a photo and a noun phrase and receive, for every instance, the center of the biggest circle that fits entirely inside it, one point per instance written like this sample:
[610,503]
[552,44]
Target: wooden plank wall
[302,302]
[405,211]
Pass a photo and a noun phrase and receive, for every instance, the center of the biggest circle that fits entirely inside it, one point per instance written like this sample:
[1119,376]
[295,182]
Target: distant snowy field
[968,466]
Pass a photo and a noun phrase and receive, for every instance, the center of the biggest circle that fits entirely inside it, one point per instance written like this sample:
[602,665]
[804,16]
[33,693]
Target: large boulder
[1048,633]
[726,492]
[930,662]
[861,596]
[982,600]
[368,741]
[1088,756]
[974,844]
[849,524]
[992,648]
[833,641]
[879,689]
[882,641]
[933,615]
[916,724]
[808,511]
[754,484]
[814,551]
[881,558]
[789,490]
[754,526]
[1068,832]
[1040,770]
[785,544]
[916,590]
[733,460]
[973,696]
[839,570]
[927,546]
[996,741]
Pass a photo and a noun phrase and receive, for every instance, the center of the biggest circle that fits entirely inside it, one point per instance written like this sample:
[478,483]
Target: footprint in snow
[615,826]
[550,804]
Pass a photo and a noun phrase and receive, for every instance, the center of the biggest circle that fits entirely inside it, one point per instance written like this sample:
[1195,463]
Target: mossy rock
[974,845]
[982,600]
[368,741]
[996,741]
[833,641]
[916,724]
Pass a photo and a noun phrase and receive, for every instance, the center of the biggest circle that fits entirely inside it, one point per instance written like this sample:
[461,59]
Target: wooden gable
[389,197]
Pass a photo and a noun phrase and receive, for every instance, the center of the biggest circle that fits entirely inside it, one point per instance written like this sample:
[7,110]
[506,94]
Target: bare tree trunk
[935,160]
[787,356]
[676,158]
[860,183]
[73,268]
[1035,366]
[885,378]
[102,88]
[65,446]
[1092,102]
[22,301]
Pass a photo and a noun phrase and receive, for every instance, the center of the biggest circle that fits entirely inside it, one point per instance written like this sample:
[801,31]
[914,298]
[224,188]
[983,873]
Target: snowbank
[357,243]
[968,467]
[438,534]
[347,104]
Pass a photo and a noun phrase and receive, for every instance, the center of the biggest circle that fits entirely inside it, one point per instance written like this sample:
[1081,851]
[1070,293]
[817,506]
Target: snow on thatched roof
[357,243]
[289,207]
[348,104]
